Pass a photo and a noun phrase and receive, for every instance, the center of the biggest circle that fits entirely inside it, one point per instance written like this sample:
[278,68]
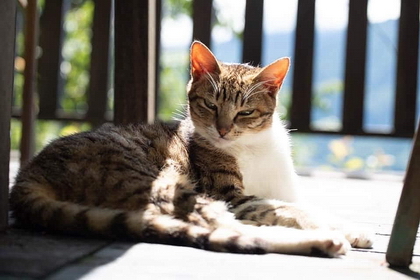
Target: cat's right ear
[202,61]
[273,75]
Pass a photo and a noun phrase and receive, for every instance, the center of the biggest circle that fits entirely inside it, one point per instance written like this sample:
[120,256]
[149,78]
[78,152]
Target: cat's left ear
[273,75]
[202,61]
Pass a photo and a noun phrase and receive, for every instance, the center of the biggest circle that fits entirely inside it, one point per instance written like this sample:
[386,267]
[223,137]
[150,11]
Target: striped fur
[179,183]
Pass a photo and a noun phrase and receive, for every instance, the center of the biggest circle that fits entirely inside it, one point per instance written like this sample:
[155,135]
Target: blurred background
[355,155]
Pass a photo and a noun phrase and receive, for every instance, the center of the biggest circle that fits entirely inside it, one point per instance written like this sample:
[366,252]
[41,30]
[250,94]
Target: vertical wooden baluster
[300,111]
[50,82]
[253,31]
[406,90]
[157,52]
[202,14]
[27,144]
[135,38]
[7,55]
[354,84]
[99,63]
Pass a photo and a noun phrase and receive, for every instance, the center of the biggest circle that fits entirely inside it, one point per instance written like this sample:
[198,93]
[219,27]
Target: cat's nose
[223,131]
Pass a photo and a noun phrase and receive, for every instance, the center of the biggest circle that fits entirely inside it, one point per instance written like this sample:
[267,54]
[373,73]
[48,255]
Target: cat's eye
[245,112]
[210,105]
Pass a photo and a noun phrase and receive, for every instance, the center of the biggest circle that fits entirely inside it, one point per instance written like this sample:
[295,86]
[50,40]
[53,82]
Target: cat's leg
[230,234]
[273,212]
[276,239]
[270,212]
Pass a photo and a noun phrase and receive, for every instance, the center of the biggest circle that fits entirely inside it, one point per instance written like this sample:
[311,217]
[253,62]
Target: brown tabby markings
[170,183]
[234,90]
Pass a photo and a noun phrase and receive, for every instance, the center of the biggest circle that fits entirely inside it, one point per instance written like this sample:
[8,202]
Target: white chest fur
[266,164]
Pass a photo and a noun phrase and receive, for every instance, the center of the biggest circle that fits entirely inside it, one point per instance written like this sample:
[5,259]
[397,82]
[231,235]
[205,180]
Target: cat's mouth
[214,138]
[221,142]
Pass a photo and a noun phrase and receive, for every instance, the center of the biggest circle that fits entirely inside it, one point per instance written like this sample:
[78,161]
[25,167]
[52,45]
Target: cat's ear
[202,61]
[273,75]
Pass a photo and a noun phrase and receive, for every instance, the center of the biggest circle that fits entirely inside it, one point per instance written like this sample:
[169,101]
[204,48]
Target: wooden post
[300,111]
[406,90]
[27,144]
[354,86]
[7,55]
[202,12]
[50,82]
[406,224]
[135,38]
[403,235]
[253,32]
[157,53]
[99,63]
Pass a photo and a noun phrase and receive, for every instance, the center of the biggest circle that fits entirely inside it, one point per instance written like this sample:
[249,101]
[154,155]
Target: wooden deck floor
[372,203]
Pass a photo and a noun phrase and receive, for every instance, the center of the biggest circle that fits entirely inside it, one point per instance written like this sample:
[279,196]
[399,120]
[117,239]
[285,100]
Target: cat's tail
[209,226]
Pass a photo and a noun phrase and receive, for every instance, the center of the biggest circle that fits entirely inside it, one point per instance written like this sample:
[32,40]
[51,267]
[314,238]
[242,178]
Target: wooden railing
[354,91]
[355,62]
[131,44]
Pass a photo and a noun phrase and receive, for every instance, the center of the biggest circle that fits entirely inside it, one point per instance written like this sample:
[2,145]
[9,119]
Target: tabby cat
[222,179]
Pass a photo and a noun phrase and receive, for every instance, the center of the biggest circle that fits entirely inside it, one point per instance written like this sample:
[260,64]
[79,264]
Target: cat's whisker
[178,118]
[181,111]
[212,82]
[251,93]
[251,90]
[256,92]
[180,114]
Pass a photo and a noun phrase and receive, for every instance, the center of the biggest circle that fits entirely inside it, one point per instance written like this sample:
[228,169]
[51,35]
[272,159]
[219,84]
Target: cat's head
[228,102]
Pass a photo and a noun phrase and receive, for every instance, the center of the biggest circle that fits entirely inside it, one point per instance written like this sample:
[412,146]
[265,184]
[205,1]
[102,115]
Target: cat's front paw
[331,243]
[360,238]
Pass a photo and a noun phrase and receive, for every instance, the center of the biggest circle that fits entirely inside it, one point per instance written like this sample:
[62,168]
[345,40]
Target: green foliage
[46,131]
[76,56]
[323,93]
[284,101]
[74,69]
[174,8]
[173,80]
[18,87]
[19,68]
[15,134]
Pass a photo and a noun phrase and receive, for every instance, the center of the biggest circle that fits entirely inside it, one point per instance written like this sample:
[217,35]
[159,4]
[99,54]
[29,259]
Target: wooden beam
[99,63]
[300,111]
[406,89]
[354,84]
[27,143]
[253,31]
[406,224]
[7,55]
[157,52]
[135,38]
[202,14]
[50,82]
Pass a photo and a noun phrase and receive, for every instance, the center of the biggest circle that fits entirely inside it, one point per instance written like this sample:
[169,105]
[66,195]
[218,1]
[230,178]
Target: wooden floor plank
[35,255]
[152,261]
